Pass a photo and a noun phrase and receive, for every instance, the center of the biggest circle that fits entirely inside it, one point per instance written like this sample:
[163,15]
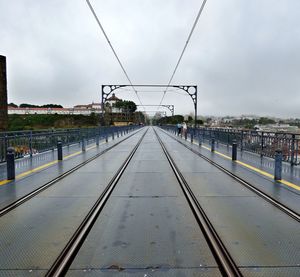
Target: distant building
[78,109]
[111,102]
[93,106]
[285,128]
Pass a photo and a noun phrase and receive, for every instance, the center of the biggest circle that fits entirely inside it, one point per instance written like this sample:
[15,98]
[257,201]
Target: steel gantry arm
[190,90]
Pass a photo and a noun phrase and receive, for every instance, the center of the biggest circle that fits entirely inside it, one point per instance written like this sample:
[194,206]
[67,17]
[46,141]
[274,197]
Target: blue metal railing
[37,141]
[262,143]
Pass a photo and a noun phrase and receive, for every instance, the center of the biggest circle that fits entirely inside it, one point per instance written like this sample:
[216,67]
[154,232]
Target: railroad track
[66,257]
[226,264]
[260,193]
[45,186]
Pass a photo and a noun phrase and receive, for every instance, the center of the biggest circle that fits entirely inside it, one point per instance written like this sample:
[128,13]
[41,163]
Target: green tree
[51,106]
[199,122]
[126,106]
[190,118]
[265,120]
[25,105]
[13,105]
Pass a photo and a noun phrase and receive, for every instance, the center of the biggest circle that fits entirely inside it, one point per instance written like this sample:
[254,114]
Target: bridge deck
[147,227]
[260,171]
[31,173]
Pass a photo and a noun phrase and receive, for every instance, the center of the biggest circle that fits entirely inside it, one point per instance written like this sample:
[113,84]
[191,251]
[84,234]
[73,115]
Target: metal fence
[33,142]
[262,143]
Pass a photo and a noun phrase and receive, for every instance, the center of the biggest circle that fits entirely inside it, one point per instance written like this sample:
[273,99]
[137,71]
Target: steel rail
[293,214]
[226,264]
[64,260]
[30,195]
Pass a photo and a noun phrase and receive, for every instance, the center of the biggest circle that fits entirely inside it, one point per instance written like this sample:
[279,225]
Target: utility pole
[3,95]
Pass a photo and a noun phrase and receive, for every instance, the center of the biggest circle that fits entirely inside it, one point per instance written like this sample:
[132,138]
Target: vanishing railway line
[54,181]
[73,244]
[63,262]
[225,261]
[245,183]
[226,264]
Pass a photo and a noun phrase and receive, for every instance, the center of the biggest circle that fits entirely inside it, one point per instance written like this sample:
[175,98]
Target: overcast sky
[244,56]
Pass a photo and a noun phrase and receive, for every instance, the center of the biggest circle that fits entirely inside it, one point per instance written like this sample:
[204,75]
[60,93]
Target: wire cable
[112,48]
[184,48]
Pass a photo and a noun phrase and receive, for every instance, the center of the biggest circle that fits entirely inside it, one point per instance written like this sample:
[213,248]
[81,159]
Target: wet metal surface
[143,232]
[147,226]
[33,234]
[28,163]
[284,194]
[23,273]
[18,188]
[257,234]
[150,272]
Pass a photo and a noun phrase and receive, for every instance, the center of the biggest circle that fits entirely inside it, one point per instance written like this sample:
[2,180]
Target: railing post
[293,150]
[52,139]
[262,144]
[278,165]
[5,145]
[59,151]
[192,136]
[199,138]
[113,134]
[30,143]
[242,140]
[83,144]
[97,138]
[228,138]
[234,150]
[212,145]
[68,139]
[10,163]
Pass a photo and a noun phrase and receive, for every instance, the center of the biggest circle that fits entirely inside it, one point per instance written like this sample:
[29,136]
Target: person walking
[184,129]
[179,129]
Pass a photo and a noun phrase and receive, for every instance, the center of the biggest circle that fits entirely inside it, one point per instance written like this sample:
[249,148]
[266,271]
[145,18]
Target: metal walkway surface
[289,172]
[32,173]
[259,171]
[28,164]
[147,226]
[37,160]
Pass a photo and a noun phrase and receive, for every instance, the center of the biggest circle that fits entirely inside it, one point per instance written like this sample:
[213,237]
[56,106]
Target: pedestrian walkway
[253,161]
[43,159]
[249,168]
[31,173]
[149,224]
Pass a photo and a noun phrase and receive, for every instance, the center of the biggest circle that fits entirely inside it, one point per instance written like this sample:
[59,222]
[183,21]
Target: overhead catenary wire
[184,48]
[177,90]
[112,48]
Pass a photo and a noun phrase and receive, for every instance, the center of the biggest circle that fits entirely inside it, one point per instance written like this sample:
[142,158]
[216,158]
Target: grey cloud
[244,55]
